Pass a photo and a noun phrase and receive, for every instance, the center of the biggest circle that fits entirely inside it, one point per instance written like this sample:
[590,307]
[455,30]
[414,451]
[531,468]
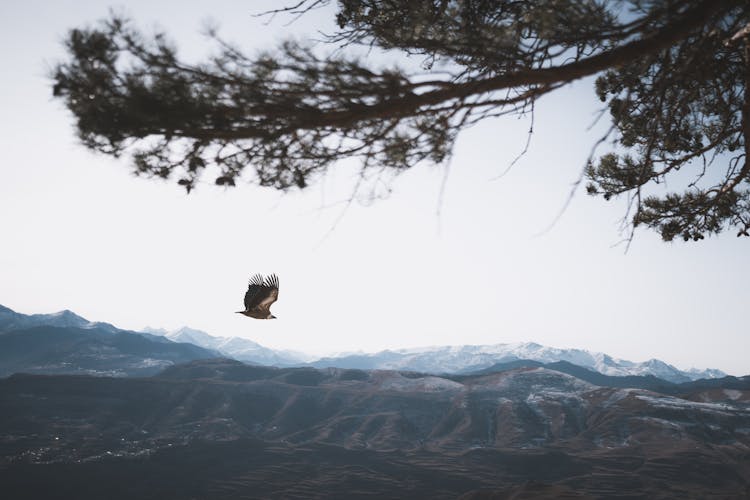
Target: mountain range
[196,344]
[443,359]
[470,358]
[67,343]
[11,320]
[237,348]
[487,424]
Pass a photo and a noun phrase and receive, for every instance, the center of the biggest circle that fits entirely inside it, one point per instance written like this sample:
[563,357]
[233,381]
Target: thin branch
[577,183]
[525,148]
[293,9]
[441,194]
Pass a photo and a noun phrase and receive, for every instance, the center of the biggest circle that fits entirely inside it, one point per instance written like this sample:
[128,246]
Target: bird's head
[271,316]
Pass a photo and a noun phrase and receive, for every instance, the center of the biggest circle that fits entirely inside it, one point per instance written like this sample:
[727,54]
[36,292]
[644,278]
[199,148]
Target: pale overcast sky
[80,232]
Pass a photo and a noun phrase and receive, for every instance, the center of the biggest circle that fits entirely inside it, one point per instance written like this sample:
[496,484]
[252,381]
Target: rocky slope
[238,431]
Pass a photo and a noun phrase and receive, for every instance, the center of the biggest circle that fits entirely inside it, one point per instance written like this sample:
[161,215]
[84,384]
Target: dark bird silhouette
[261,293]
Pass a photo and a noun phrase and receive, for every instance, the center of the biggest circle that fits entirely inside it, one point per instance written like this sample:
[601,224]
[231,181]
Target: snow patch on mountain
[396,382]
[661,401]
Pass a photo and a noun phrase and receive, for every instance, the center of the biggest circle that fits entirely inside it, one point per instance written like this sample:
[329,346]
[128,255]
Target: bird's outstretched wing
[261,293]
[271,284]
[253,290]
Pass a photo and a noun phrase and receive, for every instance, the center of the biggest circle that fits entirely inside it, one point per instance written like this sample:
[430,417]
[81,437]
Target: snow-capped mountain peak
[192,336]
[467,358]
[237,348]
[434,359]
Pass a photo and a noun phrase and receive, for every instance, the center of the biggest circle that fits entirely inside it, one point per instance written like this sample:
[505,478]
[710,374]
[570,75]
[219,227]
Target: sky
[473,263]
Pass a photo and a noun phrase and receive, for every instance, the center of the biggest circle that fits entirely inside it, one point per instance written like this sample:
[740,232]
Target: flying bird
[261,293]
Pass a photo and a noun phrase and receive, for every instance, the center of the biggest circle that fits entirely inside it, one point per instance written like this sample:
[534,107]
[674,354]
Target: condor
[261,293]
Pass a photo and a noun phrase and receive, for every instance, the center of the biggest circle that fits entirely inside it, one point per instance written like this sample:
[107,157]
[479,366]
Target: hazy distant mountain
[11,320]
[233,347]
[444,359]
[463,359]
[67,343]
[648,382]
[221,429]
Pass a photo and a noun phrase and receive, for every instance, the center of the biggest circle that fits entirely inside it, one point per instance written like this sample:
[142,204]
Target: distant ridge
[237,348]
[472,358]
[65,343]
[11,320]
[443,359]
[435,360]
[648,382]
